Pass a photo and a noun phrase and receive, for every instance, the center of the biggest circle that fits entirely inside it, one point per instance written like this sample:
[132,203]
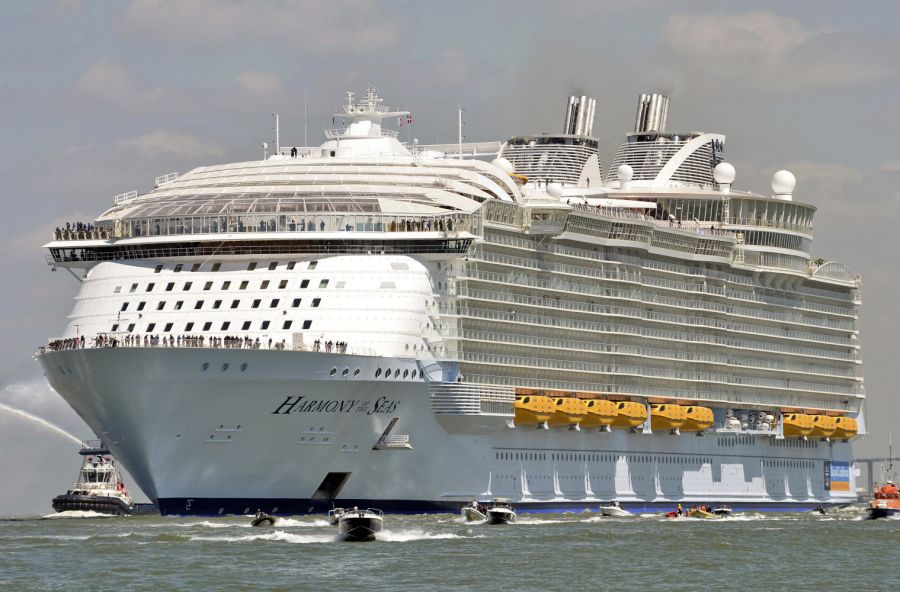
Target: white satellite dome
[504,165]
[724,173]
[555,190]
[783,183]
[624,173]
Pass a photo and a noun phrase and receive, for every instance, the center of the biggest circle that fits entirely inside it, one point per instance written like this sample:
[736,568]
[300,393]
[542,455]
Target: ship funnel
[580,116]
[652,112]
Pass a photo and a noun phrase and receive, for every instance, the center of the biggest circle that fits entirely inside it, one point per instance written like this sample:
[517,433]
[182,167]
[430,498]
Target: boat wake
[76,514]
[403,536]
[278,536]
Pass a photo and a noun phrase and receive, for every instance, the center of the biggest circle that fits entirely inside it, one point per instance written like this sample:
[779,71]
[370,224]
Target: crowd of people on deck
[227,342]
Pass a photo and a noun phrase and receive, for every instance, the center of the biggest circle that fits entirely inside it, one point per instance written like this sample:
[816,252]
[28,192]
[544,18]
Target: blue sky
[99,98]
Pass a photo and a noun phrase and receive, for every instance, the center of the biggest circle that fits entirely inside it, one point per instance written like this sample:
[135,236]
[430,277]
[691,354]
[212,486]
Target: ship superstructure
[372,322]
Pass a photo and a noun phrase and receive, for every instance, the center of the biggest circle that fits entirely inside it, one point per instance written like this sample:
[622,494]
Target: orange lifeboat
[629,414]
[844,428]
[823,426]
[600,412]
[567,411]
[697,419]
[533,409]
[797,425]
[667,416]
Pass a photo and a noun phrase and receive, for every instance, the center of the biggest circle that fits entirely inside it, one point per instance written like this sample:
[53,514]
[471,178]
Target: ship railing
[755,398]
[641,313]
[135,340]
[648,332]
[124,197]
[303,223]
[570,345]
[648,371]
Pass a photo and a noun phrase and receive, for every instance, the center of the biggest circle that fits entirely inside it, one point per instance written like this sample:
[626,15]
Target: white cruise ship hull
[222,431]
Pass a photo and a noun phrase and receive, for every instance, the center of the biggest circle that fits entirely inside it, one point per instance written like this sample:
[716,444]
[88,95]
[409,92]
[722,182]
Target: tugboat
[99,487]
[501,512]
[360,525]
[886,502]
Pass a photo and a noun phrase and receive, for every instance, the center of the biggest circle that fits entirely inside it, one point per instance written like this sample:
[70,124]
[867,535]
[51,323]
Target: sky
[99,98]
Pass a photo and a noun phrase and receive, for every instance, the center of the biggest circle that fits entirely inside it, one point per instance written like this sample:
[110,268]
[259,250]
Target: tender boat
[501,512]
[614,509]
[334,515]
[263,519]
[99,487]
[475,512]
[360,525]
[886,502]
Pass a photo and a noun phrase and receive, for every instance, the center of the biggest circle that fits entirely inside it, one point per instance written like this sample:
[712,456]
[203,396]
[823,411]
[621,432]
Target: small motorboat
[334,515]
[819,510]
[501,512]
[614,509]
[474,512]
[360,525]
[722,511]
[263,519]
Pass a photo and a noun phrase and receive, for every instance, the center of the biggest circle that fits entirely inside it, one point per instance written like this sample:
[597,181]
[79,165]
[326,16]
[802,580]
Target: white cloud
[763,51]
[167,142]
[109,83]
[336,26]
[258,82]
[891,166]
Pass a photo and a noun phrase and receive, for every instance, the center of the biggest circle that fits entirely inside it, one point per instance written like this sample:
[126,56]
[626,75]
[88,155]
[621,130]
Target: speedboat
[263,519]
[99,487]
[501,512]
[474,512]
[360,525]
[701,512]
[334,515]
[614,509]
[722,511]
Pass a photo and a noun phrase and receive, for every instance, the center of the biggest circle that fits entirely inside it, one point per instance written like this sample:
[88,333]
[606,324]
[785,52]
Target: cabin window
[264,284]
[225,325]
[323,284]
[178,267]
[273,265]
[170,286]
[312,265]
[244,285]
[264,325]
[161,305]
[287,324]
[245,326]
[151,327]
[149,287]
[141,305]
[307,324]
[274,303]
[226,285]
[217,304]
[282,284]
[235,303]
[179,304]
[124,306]
[196,267]
[187,286]
[189,327]
[251,266]
[291,265]
[215,267]
[304,284]
[168,327]
[198,305]
[131,327]
[207,286]
[207,325]
[296,302]
[256,303]
[158,269]
[316,302]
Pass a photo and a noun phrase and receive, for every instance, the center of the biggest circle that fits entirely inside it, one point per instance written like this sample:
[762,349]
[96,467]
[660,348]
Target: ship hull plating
[227,431]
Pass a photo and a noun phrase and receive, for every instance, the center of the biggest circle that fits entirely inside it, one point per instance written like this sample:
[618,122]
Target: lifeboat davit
[797,425]
[844,428]
[823,426]
[629,414]
[600,412]
[533,409]
[567,412]
[697,419]
[667,416]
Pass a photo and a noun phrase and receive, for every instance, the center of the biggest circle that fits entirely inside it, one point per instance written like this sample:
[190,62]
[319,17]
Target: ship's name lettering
[300,404]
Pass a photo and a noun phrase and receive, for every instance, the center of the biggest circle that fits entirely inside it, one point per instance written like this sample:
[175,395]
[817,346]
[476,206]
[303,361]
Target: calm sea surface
[543,552]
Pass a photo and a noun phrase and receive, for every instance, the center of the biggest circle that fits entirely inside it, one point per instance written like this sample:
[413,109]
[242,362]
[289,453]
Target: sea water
[76,552]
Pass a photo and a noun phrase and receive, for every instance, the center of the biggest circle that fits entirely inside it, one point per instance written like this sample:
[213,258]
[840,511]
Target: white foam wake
[277,535]
[76,514]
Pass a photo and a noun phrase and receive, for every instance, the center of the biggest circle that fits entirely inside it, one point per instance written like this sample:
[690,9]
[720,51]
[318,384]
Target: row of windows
[597,457]
[226,285]
[795,443]
[207,326]
[217,304]
[250,267]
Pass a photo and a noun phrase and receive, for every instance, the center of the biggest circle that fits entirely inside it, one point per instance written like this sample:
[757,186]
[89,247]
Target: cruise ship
[380,323]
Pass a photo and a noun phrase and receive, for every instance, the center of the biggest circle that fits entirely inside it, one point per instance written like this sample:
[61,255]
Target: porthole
[387,373]
[378,373]
[204,366]
[224,366]
[333,371]
[356,372]
[243,366]
[415,373]
[405,373]
[345,372]
[397,373]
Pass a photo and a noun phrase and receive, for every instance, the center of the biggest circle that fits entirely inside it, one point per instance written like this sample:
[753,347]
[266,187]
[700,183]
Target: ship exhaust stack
[580,116]
[652,112]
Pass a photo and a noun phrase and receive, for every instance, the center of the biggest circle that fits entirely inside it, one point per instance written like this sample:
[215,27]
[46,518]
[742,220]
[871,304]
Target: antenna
[305,140]
[277,138]
[460,128]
